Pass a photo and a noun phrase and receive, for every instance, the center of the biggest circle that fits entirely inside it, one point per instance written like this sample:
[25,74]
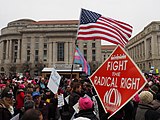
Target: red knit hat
[85,103]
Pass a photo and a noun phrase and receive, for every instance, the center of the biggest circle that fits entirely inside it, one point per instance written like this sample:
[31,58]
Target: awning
[62,70]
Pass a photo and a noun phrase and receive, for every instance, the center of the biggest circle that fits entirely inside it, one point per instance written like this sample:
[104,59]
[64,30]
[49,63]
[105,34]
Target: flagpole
[75,46]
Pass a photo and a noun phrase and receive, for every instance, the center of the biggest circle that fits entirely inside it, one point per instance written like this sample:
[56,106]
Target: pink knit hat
[85,103]
[21,86]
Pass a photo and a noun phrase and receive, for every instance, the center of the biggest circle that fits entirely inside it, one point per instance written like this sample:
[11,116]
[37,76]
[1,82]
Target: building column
[7,47]
[145,49]
[10,50]
[66,52]
[50,54]
[54,52]
[71,52]
[32,50]
[24,50]
[18,51]
[154,46]
[89,51]
[41,43]
[1,53]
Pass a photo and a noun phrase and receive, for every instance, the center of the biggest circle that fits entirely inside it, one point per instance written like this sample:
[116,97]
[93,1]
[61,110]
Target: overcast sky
[137,13]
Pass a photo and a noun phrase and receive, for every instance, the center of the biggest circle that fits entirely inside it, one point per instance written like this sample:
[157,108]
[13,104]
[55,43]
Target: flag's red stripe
[101,27]
[119,24]
[105,29]
[122,23]
[111,21]
[101,32]
[95,26]
[116,29]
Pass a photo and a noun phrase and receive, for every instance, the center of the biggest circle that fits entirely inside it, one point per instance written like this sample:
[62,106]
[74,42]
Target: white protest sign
[54,81]
[60,100]
[16,117]
[76,107]
[67,99]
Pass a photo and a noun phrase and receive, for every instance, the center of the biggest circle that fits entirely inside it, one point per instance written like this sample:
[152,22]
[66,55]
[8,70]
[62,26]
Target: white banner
[54,81]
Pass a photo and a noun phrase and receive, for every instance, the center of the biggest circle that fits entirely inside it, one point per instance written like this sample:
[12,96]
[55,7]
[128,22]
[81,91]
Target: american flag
[95,26]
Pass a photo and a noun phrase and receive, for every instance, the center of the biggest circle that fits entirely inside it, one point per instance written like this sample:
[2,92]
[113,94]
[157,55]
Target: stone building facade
[144,48]
[28,45]
[106,50]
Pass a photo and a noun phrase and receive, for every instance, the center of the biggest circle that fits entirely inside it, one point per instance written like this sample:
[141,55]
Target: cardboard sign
[117,81]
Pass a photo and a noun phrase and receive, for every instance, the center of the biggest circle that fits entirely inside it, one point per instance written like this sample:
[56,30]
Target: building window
[28,55]
[36,55]
[84,45]
[93,45]
[16,42]
[149,65]
[149,48]
[15,56]
[28,58]
[144,66]
[158,44]
[85,54]
[36,39]
[104,57]
[2,68]
[44,55]
[36,45]
[15,47]
[28,45]
[93,55]
[45,45]
[60,51]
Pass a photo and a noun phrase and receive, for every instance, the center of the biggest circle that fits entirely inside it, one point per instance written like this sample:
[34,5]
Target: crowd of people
[25,99]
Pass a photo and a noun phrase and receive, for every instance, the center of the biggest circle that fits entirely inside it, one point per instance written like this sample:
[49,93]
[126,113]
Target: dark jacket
[52,107]
[43,108]
[86,114]
[156,104]
[73,99]
[146,112]
[4,113]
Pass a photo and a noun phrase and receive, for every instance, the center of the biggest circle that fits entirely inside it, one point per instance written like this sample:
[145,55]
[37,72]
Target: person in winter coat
[145,109]
[52,107]
[6,104]
[156,103]
[86,110]
[74,96]
[40,104]
[20,99]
